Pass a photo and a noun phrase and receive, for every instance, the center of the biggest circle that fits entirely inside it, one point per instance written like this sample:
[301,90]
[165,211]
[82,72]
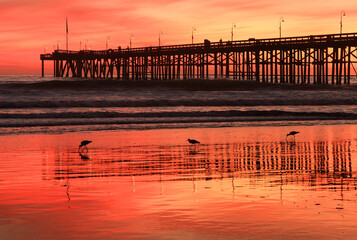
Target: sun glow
[31,27]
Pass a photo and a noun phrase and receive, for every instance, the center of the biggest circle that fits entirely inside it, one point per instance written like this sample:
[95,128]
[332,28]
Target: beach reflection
[240,183]
[311,163]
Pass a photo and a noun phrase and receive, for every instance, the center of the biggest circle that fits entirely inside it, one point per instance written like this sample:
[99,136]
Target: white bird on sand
[292,133]
[84,144]
[193,141]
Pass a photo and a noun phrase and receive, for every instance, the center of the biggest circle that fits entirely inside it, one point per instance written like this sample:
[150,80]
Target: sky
[29,28]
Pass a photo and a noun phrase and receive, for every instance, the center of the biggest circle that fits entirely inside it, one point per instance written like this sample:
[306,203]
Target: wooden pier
[318,59]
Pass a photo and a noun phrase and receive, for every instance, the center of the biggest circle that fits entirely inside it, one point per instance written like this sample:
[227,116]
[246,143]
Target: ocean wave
[114,118]
[176,102]
[147,115]
[74,104]
[185,84]
[189,121]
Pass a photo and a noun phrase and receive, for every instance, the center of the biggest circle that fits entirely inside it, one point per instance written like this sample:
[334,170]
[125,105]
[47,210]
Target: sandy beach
[152,184]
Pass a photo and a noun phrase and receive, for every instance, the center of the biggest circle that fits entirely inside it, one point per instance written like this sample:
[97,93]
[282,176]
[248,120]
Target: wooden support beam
[349,65]
[291,66]
[55,68]
[207,66]
[227,65]
[247,65]
[325,67]
[221,65]
[344,66]
[341,65]
[257,66]
[43,68]
[282,66]
[179,66]
[274,63]
[215,66]
[243,65]
[262,63]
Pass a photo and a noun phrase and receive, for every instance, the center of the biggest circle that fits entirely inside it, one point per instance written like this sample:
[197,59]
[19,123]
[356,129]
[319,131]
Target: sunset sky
[28,27]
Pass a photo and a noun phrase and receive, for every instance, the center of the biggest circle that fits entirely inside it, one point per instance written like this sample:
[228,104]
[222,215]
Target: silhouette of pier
[315,59]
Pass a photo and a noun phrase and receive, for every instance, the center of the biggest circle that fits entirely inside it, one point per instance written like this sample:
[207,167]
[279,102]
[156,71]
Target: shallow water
[239,183]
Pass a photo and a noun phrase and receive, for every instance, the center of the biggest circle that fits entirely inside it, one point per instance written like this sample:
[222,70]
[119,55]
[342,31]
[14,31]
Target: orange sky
[28,26]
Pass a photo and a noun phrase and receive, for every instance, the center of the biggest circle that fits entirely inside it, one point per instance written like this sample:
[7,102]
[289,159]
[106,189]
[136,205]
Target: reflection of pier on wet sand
[247,182]
[300,162]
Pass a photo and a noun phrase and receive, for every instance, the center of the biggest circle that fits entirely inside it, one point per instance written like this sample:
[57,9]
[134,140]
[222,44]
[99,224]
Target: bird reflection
[68,197]
[84,156]
[192,151]
[67,186]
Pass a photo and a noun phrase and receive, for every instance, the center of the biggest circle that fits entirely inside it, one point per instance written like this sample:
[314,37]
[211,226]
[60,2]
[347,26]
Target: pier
[315,59]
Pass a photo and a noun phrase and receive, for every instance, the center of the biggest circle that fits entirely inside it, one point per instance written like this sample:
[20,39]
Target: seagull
[192,141]
[84,144]
[292,133]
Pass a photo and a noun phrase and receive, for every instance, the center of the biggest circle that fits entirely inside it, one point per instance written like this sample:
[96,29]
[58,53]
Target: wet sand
[239,183]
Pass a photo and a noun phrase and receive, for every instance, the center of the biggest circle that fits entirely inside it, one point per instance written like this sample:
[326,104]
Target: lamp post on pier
[86,44]
[160,38]
[343,14]
[280,21]
[131,36]
[107,43]
[233,26]
[193,30]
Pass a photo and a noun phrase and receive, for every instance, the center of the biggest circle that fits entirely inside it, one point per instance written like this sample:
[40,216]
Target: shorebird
[192,141]
[84,144]
[292,133]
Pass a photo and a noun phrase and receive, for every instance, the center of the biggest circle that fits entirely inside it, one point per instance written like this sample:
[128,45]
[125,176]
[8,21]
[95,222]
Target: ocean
[140,178]
[31,104]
